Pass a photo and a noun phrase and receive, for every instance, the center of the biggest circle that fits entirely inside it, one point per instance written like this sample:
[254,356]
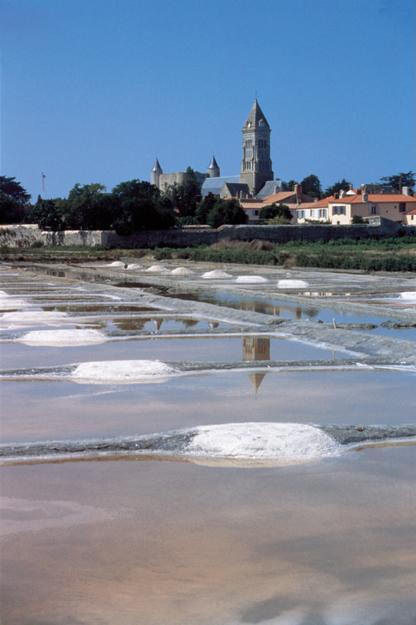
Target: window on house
[339,210]
[301,214]
[374,210]
[256,212]
[402,207]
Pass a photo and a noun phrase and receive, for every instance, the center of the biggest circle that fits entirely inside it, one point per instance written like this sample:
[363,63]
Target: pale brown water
[144,542]
[152,542]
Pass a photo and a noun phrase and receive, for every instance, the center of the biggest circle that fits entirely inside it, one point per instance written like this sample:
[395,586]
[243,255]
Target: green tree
[89,207]
[204,207]
[280,211]
[226,212]
[311,185]
[289,185]
[14,201]
[185,197]
[403,179]
[138,205]
[49,214]
[341,185]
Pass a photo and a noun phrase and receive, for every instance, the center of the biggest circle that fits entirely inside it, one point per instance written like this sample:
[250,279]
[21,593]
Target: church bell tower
[256,165]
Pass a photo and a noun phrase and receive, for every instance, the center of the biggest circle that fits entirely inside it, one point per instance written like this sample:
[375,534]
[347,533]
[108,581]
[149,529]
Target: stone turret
[155,174]
[256,165]
[213,169]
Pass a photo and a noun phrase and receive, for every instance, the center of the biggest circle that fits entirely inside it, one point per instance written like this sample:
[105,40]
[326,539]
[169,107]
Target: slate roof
[213,164]
[269,187]
[256,115]
[214,185]
[235,188]
[157,168]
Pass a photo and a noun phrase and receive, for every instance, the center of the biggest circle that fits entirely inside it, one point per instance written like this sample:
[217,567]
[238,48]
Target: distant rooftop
[214,185]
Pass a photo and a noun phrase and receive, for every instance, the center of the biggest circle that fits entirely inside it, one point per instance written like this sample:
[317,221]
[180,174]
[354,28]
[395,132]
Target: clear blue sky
[92,90]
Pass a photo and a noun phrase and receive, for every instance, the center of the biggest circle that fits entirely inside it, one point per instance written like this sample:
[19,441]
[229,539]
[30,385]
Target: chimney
[298,192]
[341,193]
[405,191]
[350,187]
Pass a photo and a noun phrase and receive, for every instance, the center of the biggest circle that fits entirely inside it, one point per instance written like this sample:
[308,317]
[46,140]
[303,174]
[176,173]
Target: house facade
[393,206]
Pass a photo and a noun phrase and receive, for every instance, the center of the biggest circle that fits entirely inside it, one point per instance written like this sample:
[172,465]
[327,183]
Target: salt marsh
[211,538]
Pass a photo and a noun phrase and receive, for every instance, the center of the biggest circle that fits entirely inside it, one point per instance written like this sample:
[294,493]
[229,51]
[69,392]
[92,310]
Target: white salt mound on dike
[134,266]
[182,271]
[409,295]
[34,317]
[157,269]
[216,274]
[285,442]
[116,263]
[292,284]
[7,302]
[122,371]
[251,279]
[62,338]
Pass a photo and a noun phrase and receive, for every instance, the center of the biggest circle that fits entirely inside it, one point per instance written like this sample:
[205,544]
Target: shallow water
[142,542]
[290,310]
[44,410]
[210,349]
[152,542]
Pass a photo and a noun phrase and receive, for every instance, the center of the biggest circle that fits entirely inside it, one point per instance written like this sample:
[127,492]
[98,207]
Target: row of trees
[130,206]
[138,205]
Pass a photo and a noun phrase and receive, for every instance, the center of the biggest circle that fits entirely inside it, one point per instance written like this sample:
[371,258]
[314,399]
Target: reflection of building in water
[158,324]
[188,323]
[256,348]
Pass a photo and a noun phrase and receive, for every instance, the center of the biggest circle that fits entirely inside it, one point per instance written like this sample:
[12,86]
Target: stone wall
[31,236]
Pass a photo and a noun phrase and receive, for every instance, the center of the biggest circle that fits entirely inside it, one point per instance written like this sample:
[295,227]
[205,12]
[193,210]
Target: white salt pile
[134,266]
[12,303]
[7,302]
[122,372]
[182,271]
[62,338]
[251,279]
[34,317]
[408,295]
[216,274]
[157,269]
[292,284]
[286,442]
[116,263]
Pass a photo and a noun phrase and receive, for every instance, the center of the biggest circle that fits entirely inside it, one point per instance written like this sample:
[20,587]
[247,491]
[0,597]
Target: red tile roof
[390,198]
[278,197]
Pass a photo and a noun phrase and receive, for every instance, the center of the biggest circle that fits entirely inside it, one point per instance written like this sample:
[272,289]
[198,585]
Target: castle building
[163,181]
[256,174]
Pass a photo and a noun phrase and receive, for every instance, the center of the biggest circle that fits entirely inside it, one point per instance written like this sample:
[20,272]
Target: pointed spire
[157,168]
[256,115]
[213,164]
[256,380]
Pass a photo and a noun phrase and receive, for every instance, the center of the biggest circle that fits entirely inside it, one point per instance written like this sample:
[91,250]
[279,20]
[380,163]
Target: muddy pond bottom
[144,542]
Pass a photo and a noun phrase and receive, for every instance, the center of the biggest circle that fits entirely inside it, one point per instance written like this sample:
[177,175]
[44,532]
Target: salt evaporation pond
[139,541]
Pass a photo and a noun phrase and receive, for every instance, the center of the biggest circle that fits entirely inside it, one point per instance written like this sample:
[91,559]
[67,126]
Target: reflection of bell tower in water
[256,348]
